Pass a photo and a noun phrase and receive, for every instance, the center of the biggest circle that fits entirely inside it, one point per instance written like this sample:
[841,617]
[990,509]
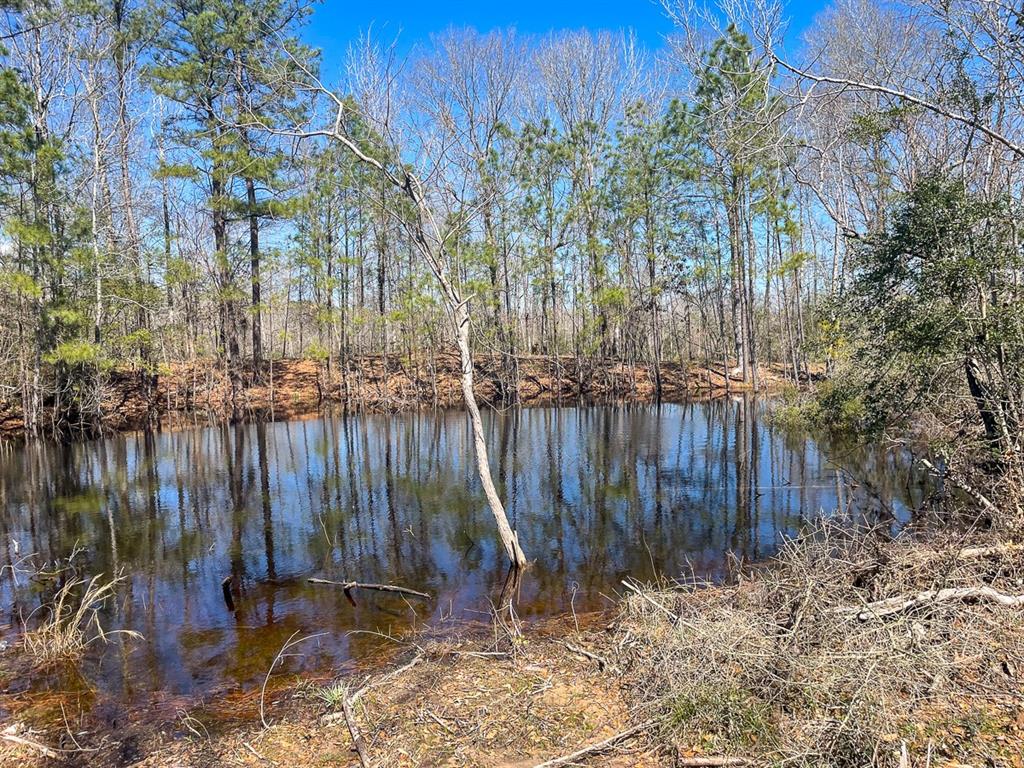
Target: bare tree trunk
[254,266]
[226,303]
[430,243]
[460,317]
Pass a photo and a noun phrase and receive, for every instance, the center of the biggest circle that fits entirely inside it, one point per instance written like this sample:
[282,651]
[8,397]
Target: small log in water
[225,588]
[348,586]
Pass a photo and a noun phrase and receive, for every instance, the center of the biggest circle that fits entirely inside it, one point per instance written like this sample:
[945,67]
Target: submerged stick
[350,585]
[225,588]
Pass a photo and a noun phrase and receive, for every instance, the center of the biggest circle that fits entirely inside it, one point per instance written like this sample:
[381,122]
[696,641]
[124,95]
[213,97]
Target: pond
[597,493]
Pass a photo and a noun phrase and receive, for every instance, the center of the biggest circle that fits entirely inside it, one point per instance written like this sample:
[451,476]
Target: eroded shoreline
[187,393]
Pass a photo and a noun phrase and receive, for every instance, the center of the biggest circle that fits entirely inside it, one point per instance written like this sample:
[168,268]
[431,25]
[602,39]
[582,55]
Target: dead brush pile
[851,650]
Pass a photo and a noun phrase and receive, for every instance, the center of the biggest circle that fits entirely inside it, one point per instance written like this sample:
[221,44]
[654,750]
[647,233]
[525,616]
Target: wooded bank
[183,393]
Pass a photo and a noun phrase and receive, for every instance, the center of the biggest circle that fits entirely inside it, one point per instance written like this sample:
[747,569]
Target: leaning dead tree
[431,244]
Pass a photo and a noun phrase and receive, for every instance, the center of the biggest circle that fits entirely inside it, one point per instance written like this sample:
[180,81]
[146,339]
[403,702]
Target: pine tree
[221,62]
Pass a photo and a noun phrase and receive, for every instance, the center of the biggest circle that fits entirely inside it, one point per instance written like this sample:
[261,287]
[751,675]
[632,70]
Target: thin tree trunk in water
[429,242]
[508,536]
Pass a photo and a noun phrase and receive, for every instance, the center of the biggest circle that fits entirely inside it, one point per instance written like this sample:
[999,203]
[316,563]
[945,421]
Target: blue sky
[335,23]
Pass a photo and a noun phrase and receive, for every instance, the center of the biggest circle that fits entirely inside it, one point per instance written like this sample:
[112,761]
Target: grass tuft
[71,622]
[333,695]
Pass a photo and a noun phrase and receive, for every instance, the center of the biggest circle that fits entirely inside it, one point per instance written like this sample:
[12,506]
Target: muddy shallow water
[597,493]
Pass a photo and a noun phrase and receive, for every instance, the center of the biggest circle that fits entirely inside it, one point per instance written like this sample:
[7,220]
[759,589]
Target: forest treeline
[188,180]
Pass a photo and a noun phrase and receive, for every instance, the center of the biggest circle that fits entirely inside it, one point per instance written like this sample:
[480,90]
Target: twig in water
[348,586]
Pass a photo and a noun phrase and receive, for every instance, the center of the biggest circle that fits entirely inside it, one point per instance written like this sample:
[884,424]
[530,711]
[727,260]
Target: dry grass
[71,621]
[471,704]
[796,665]
[790,668]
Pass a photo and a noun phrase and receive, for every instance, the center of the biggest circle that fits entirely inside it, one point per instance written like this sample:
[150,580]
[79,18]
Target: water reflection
[596,493]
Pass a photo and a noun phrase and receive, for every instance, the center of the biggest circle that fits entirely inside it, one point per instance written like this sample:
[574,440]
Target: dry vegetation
[849,650]
[61,630]
[478,701]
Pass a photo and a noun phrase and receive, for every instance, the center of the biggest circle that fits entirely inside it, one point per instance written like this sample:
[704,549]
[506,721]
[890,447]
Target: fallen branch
[350,585]
[892,605]
[596,749]
[711,762]
[962,485]
[353,729]
[1006,548]
[600,660]
[10,734]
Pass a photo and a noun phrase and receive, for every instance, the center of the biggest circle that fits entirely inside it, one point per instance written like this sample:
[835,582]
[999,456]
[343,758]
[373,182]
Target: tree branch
[931,106]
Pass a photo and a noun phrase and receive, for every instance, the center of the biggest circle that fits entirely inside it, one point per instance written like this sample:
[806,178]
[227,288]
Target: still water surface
[597,493]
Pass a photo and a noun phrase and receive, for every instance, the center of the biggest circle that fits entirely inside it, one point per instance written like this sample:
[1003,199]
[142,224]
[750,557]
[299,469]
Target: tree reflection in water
[597,493]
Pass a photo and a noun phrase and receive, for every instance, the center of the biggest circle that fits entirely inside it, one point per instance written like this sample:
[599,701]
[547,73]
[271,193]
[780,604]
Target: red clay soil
[296,387]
